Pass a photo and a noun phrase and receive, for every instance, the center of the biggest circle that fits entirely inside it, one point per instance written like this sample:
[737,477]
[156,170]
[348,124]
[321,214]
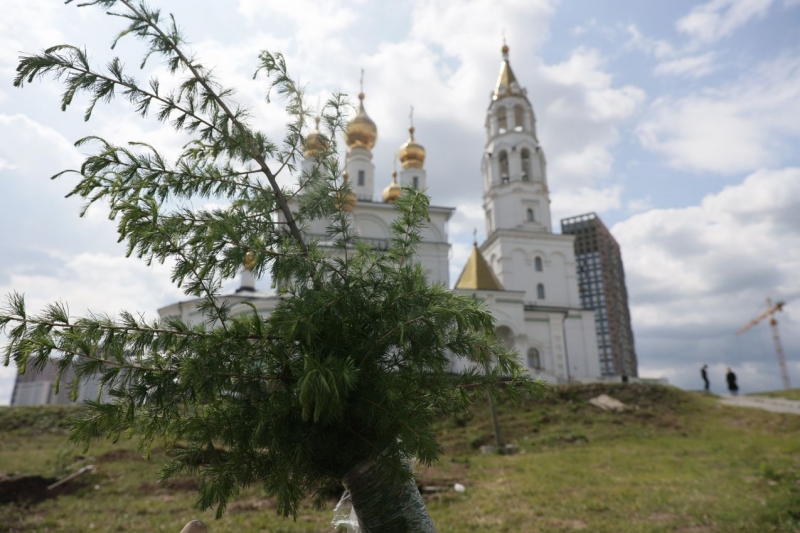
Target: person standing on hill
[704,375]
[732,386]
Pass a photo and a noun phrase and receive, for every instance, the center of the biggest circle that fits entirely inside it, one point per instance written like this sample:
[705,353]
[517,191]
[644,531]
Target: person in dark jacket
[704,375]
[732,386]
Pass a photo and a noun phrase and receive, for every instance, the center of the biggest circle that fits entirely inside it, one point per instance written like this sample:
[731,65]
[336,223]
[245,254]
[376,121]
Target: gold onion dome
[392,191]
[361,132]
[315,142]
[412,154]
[249,260]
[348,201]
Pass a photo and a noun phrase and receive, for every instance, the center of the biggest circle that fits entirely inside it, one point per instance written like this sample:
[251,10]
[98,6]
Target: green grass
[791,394]
[675,462]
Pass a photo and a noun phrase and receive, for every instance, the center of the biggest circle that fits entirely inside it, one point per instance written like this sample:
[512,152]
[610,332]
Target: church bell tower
[515,195]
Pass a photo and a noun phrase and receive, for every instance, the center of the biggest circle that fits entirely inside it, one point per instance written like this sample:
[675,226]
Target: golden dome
[315,142]
[249,260]
[392,191]
[346,202]
[412,154]
[361,132]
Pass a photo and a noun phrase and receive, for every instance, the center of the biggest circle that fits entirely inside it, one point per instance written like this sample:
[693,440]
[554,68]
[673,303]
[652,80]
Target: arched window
[519,118]
[416,182]
[504,166]
[538,264]
[502,120]
[361,177]
[506,336]
[530,216]
[526,164]
[540,291]
[534,360]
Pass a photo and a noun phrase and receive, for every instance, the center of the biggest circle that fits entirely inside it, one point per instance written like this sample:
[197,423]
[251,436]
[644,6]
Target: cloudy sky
[677,122]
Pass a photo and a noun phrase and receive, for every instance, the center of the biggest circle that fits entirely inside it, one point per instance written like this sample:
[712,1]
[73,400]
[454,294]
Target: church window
[530,215]
[538,265]
[502,120]
[526,164]
[504,166]
[416,182]
[534,360]
[489,219]
[506,336]
[540,291]
[361,177]
[519,118]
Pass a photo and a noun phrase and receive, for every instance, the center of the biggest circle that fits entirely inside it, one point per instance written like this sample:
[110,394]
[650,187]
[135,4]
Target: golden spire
[392,191]
[477,274]
[412,154]
[361,132]
[507,84]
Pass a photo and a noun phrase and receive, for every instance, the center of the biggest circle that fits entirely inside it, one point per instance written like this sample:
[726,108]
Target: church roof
[478,275]
[507,84]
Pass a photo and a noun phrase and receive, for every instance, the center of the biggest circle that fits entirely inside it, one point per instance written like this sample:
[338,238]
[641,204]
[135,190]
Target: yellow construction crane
[770,312]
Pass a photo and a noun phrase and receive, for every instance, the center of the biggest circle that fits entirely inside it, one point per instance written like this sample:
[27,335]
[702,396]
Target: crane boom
[770,312]
[753,322]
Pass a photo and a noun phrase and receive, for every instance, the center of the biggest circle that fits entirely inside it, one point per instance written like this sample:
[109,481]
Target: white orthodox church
[524,272]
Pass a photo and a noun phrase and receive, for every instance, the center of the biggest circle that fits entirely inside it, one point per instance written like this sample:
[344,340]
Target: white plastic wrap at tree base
[374,502]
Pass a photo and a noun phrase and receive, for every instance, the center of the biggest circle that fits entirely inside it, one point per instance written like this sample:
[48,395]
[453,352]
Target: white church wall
[584,361]
[513,259]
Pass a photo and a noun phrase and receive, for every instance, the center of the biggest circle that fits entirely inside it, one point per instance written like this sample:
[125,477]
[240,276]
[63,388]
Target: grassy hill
[673,462]
[790,394]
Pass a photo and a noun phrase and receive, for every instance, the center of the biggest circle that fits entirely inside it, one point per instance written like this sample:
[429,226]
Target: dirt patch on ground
[173,485]
[662,517]
[252,504]
[119,455]
[29,490]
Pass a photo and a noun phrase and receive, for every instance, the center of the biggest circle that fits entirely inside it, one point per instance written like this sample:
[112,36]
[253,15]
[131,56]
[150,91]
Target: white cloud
[35,21]
[638,205]
[696,274]
[716,19]
[581,117]
[592,161]
[467,218]
[20,137]
[656,47]
[584,200]
[737,128]
[690,66]
[313,19]
[98,282]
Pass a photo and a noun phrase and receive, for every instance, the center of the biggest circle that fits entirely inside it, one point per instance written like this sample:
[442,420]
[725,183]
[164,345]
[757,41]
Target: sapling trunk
[385,504]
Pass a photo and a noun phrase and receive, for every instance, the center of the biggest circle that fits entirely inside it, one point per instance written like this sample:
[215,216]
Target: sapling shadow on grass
[341,383]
